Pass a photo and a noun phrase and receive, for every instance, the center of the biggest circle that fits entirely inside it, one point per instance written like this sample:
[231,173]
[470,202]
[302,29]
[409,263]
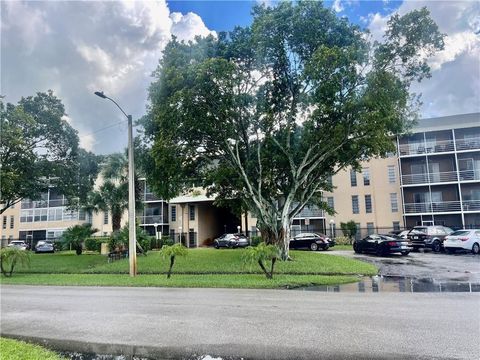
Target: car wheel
[216,246]
[436,246]
[450,251]
[475,249]
[405,253]
[356,249]
[313,247]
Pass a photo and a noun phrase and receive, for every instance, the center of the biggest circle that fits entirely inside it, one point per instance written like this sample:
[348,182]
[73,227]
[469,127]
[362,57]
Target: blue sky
[78,47]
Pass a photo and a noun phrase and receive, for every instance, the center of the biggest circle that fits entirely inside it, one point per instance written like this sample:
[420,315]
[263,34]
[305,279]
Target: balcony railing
[468,144]
[426,147]
[37,204]
[151,197]
[427,178]
[311,212]
[432,207]
[153,219]
[468,175]
[471,205]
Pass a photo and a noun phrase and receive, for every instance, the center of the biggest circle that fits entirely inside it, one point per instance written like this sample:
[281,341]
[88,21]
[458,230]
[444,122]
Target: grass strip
[20,350]
[194,281]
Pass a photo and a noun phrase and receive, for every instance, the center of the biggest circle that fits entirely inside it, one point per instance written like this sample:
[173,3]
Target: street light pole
[132,238]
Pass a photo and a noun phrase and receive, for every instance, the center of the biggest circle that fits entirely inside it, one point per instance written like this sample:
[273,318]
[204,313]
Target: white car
[18,244]
[467,239]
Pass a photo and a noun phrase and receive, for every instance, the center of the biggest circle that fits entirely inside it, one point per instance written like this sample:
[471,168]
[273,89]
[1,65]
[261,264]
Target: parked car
[311,241]
[45,246]
[18,244]
[428,237]
[468,239]
[382,245]
[231,241]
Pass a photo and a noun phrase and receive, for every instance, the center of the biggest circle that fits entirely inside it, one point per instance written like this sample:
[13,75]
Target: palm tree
[112,196]
[74,236]
[11,256]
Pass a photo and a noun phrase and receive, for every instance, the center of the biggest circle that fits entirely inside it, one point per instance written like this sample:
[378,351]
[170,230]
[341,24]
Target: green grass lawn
[200,268]
[20,350]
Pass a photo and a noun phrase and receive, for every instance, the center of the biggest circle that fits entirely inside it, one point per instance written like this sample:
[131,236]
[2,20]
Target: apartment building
[440,172]
[153,218]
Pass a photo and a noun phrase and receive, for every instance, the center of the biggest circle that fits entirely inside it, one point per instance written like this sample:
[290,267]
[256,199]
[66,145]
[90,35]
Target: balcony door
[434,170]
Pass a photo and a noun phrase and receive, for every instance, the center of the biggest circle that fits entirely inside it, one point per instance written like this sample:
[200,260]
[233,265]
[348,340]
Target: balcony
[433,207]
[27,204]
[420,148]
[468,144]
[471,205]
[152,219]
[149,196]
[310,212]
[469,175]
[429,178]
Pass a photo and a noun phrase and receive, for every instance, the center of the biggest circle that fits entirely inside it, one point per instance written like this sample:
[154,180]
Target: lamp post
[132,238]
[331,228]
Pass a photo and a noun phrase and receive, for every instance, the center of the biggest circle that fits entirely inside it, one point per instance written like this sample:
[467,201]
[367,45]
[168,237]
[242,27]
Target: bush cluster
[255,240]
[343,240]
[95,243]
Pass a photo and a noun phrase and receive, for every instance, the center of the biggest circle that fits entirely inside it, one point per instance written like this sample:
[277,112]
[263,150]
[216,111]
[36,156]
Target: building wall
[8,232]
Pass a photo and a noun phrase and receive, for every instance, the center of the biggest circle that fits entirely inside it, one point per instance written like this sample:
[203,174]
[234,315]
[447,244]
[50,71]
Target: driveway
[428,265]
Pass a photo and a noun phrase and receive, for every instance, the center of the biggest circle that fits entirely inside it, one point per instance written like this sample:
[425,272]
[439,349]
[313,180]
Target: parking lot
[462,267]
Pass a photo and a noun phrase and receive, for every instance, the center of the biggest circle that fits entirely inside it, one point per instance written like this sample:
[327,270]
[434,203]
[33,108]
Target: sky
[76,48]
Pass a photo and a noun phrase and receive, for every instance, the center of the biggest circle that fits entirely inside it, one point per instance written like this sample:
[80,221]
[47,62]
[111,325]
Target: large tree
[269,112]
[39,149]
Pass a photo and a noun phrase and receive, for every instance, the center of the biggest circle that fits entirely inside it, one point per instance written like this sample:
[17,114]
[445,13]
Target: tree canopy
[267,113]
[39,149]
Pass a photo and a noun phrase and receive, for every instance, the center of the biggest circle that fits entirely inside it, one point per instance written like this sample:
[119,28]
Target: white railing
[471,205]
[427,178]
[38,204]
[151,197]
[432,207]
[468,144]
[467,175]
[152,219]
[426,147]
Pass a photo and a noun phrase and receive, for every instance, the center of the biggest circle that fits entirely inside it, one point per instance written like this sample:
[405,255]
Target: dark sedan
[231,241]
[311,241]
[45,247]
[382,245]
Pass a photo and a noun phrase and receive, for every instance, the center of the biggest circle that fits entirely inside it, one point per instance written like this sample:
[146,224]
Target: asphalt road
[254,324]
[439,266]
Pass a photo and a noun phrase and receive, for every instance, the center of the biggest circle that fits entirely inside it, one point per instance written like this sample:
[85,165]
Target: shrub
[115,242]
[343,240]
[349,229]
[259,254]
[255,240]
[95,243]
[171,252]
[74,236]
[166,241]
[10,257]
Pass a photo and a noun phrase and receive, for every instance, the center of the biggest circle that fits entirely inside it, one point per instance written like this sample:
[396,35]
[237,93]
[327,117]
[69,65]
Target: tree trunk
[4,272]
[172,261]
[271,269]
[116,221]
[283,241]
[78,249]
[264,270]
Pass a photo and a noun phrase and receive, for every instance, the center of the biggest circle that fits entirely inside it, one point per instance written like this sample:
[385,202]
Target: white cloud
[455,83]
[337,6]
[76,48]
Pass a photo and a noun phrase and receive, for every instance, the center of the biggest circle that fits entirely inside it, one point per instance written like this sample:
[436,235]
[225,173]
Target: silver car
[21,245]
[44,246]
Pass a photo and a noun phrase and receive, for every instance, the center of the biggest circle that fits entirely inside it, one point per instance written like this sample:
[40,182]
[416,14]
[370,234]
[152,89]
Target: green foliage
[38,122]
[167,241]
[342,240]
[349,229]
[172,251]
[272,110]
[260,254]
[10,257]
[121,238]
[75,236]
[95,243]
[255,240]
[20,350]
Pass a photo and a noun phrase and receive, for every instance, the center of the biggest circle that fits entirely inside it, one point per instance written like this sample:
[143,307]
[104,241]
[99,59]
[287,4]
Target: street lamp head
[332,221]
[100,94]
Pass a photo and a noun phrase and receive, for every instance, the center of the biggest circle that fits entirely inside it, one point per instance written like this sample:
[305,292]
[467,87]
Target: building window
[173,213]
[366,176]
[105,217]
[330,180]
[368,204]
[4,223]
[353,177]
[391,174]
[355,207]
[393,202]
[396,225]
[358,234]
[370,228]
[330,202]
[191,210]
[12,221]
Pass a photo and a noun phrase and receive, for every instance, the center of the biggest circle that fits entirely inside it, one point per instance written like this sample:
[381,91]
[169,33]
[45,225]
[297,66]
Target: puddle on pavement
[398,284]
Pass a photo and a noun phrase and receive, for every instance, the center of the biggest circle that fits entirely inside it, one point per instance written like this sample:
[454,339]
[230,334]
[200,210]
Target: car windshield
[420,230]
